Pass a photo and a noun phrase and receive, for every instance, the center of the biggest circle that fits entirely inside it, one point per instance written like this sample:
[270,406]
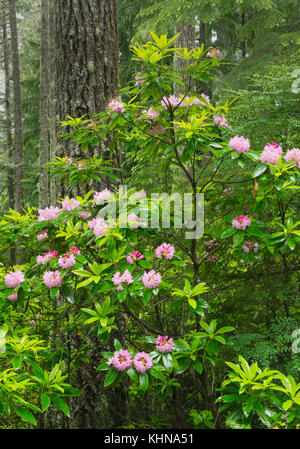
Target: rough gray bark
[8,122]
[52,95]
[17,105]
[44,147]
[86,59]
[86,56]
[185,40]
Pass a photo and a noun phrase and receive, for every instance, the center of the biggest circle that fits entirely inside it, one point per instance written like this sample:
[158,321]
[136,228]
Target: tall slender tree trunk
[17,105]
[44,147]
[52,94]
[185,40]
[8,123]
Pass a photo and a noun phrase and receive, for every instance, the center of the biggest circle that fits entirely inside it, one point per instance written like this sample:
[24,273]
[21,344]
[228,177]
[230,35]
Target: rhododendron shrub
[151,308]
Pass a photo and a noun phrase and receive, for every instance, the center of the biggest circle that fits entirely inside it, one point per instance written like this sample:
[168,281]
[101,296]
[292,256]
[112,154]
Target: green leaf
[54,292]
[61,405]
[228,233]
[133,374]
[144,263]
[238,238]
[212,347]
[260,169]
[117,344]
[111,377]
[45,401]
[25,415]
[68,294]
[291,243]
[144,381]
[198,366]
[287,404]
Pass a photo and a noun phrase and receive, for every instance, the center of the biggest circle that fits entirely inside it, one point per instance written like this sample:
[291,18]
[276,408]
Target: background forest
[97,94]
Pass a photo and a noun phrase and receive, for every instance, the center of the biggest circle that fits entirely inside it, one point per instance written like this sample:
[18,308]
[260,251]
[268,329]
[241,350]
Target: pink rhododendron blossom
[75,251]
[91,124]
[134,221]
[99,226]
[165,250]
[220,120]
[70,204]
[134,256]
[47,256]
[104,195]
[150,113]
[14,278]
[42,235]
[125,278]
[293,155]
[271,153]
[163,344]
[151,279]
[13,297]
[250,246]
[239,144]
[67,260]
[241,222]
[52,278]
[171,101]
[116,106]
[142,362]
[138,195]
[49,213]
[121,360]
[190,101]
[84,214]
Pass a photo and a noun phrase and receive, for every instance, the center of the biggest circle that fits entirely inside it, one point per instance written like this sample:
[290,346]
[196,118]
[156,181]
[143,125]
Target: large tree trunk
[86,78]
[44,147]
[17,105]
[8,123]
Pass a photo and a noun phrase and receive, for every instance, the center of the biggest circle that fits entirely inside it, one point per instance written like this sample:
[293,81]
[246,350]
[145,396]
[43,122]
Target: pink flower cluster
[190,101]
[121,360]
[165,250]
[271,153]
[227,193]
[163,344]
[75,251]
[142,362]
[220,120]
[138,195]
[42,235]
[52,278]
[116,106]
[171,101]
[70,204]
[134,221]
[13,297]
[49,213]
[99,226]
[293,155]
[119,279]
[104,195]
[239,144]
[150,113]
[151,279]
[133,257]
[47,256]
[211,257]
[241,222]
[67,260]
[84,214]
[14,278]
[250,247]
